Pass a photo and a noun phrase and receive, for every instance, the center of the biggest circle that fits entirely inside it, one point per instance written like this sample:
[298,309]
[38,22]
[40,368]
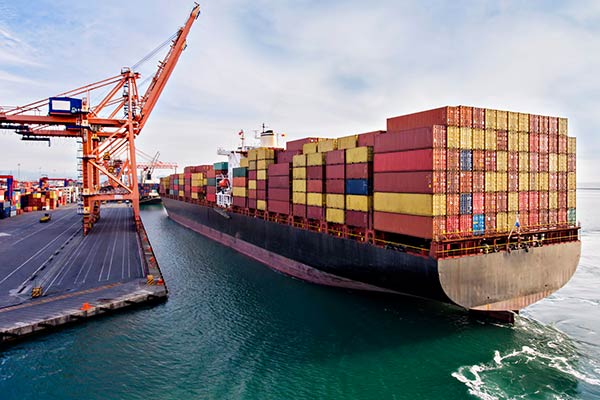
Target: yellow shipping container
[502,120]
[490,139]
[571,181]
[299,160]
[502,222]
[490,119]
[572,145]
[299,173]
[299,185]
[252,154]
[523,122]
[244,162]
[490,182]
[523,141]
[563,127]
[523,181]
[453,137]
[326,145]
[359,155]
[513,201]
[553,200]
[347,142]
[513,121]
[314,159]
[335,201]
[261,204]
[534,181]
[409,203]
[501,161]
[562,163]
[195,196]
[264,164]
[358,203]
[335,215]
[205,181]
[543,181]
[261,175]
[315,199]
[513,141]
[265,153]
[239,192]
[478,139]
[501,181]
[252,184]
[571,199]
[523,161]
[252,165]
[511,220]
[299,198]
[181,193]
[309,148]
[552,162]
[466,138]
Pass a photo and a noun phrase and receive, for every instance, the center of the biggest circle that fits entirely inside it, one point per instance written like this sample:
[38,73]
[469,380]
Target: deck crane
[107,129]
[152,163]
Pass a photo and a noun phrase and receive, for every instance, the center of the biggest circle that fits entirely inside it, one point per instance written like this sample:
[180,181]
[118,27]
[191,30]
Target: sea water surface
[233,329]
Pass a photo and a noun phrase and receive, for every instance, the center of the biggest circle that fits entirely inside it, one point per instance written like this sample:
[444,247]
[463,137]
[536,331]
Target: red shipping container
[544,201]
[534,199]
[466,181]
[478,160]
[466,116]
[279,182]
[439,116]
[552,217]
[261,185]
[239,182]
[261,194]
[562,215]
[562,199]
[534,162]
[453,204]
[358,171]
[490,160]
[211,173]
[211,190]
[368,138]
[543,217]
[252,174]
[562,144]
[280,207]
[502,140]
[543,143]
[478,118]
[523,201]
[335,157]
[296,145]
[513,181]
[562,181]
[553,181]
[252,204]
[299,210]
[336,186]
[534,142]
[313,212]
[337,171]
[453,159]
[211,197]
[466,223]
[410,182]
[315,186]
[552,143]
[524,218]
[490,203]
[240,202]
[314,172]
[279,195]
[452,224]
[544,122]
[571,163]
[502,201]
[411,225]
[453,182]
[553,125]
[411,139]
[534,218]
[543,162]
[478,181]
[286,156]
[412,160]
[490,222]
[282,169]
[534,124]
[513,161]
[478,203]
[357,218]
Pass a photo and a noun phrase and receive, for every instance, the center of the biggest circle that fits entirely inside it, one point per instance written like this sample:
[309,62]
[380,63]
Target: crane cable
[155,51]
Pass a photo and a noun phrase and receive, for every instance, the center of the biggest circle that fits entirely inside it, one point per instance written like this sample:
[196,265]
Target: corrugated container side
[335,216]
[412,160]
[440,116]
[453,137]
[523,122]
[453,182]
[326,145]
[357,186]
[466,116]
[299,198]
[358,203]
[478,181]
[453,204]
[553,125]
[410,182]
[490,181]
[478,139]
[314,172]
[490,119]
[478,160]
[502,140]
[335,201]
[315,185]
[313,212]
[466,138]
[297,145]
[490,139]
[335,186]
[280,207]
[466,181]
[405,203]
[335,157]
[412,139]
[299,210]
[358,171]
[513,141]
[478,118]
[310,148]
[315,199]
[347,142]
[411,225]
[534,123]
[563,127]
[490,202]
[357,218]
[513,121]
[314,159]
[452,159]
[502,201]
[359,155]
[337,171]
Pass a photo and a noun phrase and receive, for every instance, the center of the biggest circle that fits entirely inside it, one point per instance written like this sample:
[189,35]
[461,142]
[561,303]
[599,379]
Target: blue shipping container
[64,105]
[478,224]
[466,203]
[357,186]
[466,160]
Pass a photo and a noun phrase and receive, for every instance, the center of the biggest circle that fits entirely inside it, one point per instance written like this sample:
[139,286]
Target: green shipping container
[221,166]
[240,172]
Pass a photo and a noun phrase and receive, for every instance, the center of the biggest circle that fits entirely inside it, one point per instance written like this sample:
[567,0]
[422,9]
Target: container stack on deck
[444,174]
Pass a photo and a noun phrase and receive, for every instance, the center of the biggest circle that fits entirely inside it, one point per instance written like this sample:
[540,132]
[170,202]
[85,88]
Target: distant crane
[105,139]
[151,164]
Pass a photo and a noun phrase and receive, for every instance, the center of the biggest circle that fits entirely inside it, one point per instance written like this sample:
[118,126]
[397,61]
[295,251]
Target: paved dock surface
[57,257]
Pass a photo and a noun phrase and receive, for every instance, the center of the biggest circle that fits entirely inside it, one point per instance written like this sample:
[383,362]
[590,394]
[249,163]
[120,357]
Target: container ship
[464,205]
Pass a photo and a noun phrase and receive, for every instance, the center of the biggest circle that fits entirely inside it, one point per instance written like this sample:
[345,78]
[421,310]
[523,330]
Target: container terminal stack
[464,205]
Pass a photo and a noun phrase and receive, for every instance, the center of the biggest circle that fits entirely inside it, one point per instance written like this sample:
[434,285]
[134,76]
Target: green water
[233,329]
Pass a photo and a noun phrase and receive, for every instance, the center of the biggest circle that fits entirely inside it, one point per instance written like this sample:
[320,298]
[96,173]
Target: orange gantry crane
[107,129]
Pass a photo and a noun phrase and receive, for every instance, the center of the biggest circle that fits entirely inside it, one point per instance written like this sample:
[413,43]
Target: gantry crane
[152,163]
[107,129]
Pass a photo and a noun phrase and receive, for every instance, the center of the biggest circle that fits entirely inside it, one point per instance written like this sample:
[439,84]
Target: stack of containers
[264,157]
[211,187]
[544,170]
[252,175]
[534,148]
[240,186]
[180,180]
[279,188]
[335,183]
[299,186]
[359,183]
[187,182]
[571,181]
[315,187]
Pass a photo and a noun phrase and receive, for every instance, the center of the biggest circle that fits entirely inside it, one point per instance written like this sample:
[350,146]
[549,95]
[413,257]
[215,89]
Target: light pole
[19,171]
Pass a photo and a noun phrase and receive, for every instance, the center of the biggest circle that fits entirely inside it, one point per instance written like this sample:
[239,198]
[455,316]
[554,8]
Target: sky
[303,67]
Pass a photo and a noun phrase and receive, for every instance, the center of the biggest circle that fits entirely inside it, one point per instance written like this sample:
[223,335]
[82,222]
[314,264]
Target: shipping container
[335,216]
[297,145]
[412,139]
[357,218]
[411,182]
[409,203]
[441,116]
[412,160]
[357,186]
[478,118]
[453,137]
[335,186]
[490,119]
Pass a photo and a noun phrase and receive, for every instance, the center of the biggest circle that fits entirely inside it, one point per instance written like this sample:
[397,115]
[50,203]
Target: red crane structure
[107,129]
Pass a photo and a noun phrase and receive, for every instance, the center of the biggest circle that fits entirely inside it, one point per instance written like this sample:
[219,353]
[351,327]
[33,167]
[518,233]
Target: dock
[52,275]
